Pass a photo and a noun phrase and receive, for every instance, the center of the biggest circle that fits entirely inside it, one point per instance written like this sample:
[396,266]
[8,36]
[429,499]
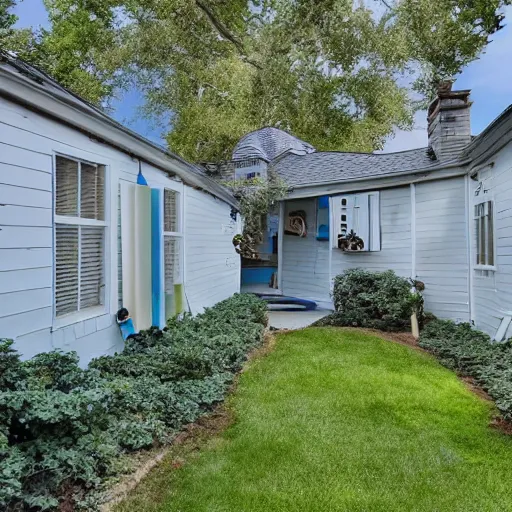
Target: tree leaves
[337,73]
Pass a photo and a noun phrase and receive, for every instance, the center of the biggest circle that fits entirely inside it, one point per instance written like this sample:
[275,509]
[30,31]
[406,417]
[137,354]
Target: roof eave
[29,93]
[381,181]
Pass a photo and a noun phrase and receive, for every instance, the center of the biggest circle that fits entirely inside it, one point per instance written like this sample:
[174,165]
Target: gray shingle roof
[268,143]
[331,167]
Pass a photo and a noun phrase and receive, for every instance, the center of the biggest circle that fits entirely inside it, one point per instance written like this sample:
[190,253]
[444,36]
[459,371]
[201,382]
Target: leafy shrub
[62,426]
[379,300]
[471,353]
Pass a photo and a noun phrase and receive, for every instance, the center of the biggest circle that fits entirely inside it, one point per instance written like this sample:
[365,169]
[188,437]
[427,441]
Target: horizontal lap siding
[27,144]
[442,247]
[25,239]
[492,293]
[212,266]
[395,253]
[305,264]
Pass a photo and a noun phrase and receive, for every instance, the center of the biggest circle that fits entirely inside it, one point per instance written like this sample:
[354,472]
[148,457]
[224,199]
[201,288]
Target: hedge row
[473,354]
[63,429]
[378,300]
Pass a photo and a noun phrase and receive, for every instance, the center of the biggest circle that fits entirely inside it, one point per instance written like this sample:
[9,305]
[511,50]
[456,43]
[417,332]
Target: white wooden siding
[212,266]
[441,258]
[442,247]
[28,142]
[395,253]
[492,291]
[305,261]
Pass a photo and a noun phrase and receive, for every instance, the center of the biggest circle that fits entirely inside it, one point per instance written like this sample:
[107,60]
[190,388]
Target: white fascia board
[29,93]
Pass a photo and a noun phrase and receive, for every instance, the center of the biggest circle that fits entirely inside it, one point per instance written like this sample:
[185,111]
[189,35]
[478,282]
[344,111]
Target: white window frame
[93,311]
[482,200]
[482,192]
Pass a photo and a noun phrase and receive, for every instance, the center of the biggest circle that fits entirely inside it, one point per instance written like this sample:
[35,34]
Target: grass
[339,420]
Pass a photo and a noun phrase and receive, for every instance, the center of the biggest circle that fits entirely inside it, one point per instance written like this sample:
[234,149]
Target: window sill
[492,268]
[79,316]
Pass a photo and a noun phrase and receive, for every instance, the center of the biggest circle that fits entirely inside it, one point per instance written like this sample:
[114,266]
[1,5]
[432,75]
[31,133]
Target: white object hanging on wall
[359,213]
[136,252]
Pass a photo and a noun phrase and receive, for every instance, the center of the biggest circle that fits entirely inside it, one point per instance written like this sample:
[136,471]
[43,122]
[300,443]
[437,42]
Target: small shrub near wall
[379,300]
[473,354]
[63,429]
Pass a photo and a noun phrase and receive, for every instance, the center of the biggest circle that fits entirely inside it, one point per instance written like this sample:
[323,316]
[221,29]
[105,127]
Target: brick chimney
[449,126]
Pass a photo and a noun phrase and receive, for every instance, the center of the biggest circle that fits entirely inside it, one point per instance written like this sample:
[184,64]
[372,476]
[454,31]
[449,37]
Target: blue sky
[489,78]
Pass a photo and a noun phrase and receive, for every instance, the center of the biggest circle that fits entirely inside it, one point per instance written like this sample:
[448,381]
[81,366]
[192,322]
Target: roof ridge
[362,152]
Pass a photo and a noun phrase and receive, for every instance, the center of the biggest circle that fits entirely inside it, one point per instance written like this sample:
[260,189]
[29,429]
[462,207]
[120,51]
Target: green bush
[471,353]
[64,427]
[379,300]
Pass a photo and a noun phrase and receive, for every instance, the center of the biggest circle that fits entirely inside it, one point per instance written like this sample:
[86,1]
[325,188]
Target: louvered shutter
[172,270]
[92,192]
[66,187]
[171,211]
[91,266]
[66,269]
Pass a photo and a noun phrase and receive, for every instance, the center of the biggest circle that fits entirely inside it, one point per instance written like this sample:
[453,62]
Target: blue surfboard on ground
[281,303]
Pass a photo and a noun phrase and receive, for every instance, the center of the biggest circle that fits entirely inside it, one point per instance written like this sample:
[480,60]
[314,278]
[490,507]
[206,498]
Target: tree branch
[224,32]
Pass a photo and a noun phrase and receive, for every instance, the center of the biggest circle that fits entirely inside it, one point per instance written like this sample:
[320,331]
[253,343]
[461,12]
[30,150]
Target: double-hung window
[173,247]
[484,228]
[80,230]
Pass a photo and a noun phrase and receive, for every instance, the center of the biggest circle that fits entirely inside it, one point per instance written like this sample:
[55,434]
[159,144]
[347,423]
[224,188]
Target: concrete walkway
[295,319]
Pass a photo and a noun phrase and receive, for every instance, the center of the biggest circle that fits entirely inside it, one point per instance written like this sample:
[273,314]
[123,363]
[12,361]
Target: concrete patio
[295,319]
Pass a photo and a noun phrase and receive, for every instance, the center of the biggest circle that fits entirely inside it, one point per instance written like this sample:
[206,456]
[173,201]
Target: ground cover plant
[377,300]
[341,420]
[63,429]
[471,353]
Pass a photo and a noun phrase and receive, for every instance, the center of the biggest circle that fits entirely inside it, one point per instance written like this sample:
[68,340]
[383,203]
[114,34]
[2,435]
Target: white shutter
[172,267]
[374,205]
[66,269]
[171,211]
[91,266]
[92,191]
[66,187]
[361,220]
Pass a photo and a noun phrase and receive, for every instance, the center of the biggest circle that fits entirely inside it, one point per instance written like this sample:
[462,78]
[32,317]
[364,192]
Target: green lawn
[340,420]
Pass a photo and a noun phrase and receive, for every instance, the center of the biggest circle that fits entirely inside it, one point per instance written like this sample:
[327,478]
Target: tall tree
[338,73]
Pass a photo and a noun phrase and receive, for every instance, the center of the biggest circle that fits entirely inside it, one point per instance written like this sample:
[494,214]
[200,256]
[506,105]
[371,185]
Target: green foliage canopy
[336,73]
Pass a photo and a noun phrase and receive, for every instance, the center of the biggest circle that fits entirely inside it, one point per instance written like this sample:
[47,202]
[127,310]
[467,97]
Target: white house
[441,215]
[79,238]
